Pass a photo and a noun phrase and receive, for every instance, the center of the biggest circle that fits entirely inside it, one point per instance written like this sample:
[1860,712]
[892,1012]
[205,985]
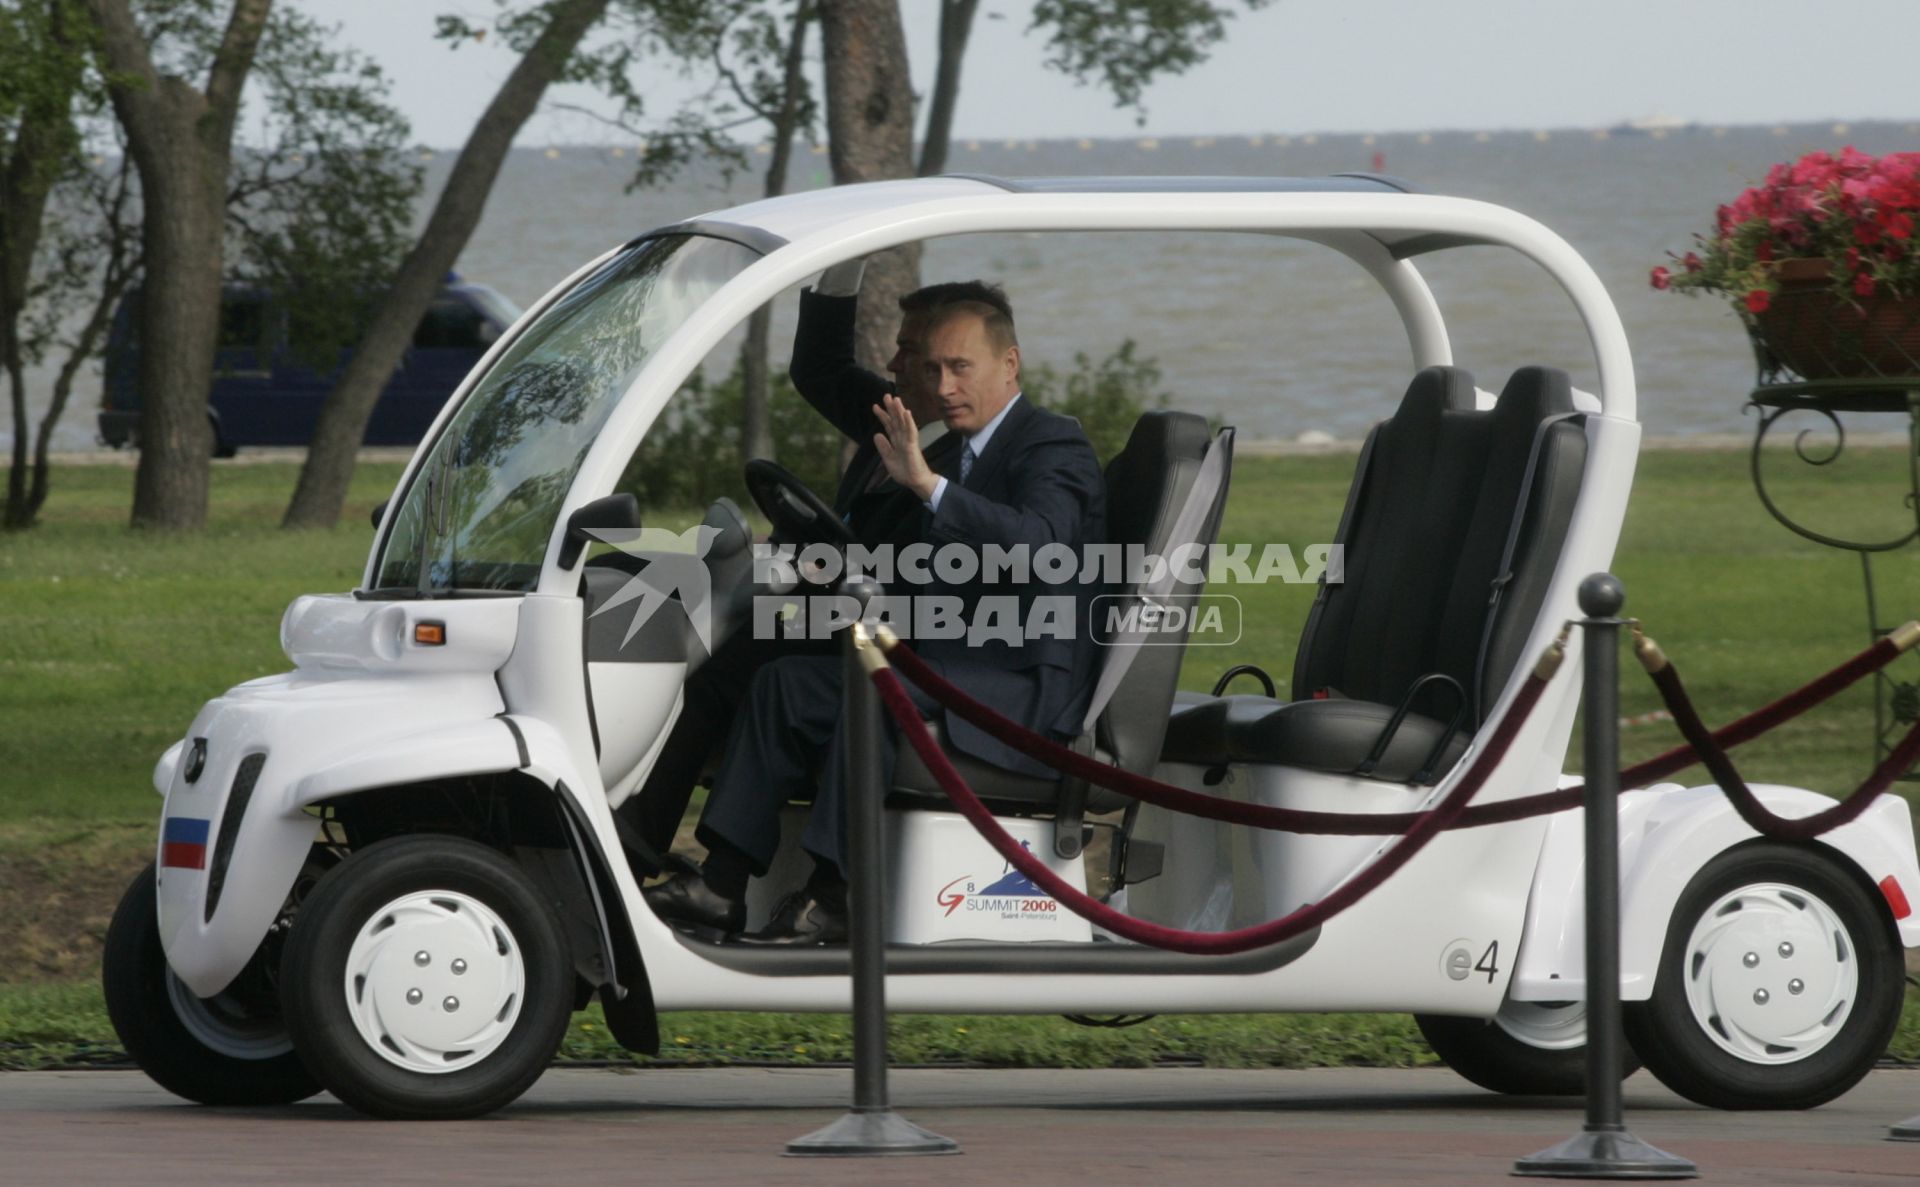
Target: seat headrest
[1162,435]
[1144,480]
[1535,393]
[1434,390]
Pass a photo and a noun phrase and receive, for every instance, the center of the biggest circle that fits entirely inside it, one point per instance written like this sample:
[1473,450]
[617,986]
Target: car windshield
[480,506]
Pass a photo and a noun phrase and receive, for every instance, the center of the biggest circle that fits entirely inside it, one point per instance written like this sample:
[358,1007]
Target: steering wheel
[797,513]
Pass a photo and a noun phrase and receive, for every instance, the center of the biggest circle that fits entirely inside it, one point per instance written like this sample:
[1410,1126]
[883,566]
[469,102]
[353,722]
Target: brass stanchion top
[1554,655]
[1905,636]
[1648,652]
[870,657]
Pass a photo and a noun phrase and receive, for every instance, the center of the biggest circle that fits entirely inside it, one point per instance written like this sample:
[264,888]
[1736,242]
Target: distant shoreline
[1836,126]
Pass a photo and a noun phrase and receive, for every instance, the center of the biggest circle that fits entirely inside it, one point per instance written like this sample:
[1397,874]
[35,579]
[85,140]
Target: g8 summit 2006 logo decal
[1012,896]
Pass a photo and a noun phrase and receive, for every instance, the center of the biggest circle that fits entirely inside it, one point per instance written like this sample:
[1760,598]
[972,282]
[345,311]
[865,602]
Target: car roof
[771,223]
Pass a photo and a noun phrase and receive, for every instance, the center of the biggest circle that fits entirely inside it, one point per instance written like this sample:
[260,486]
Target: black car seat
[1159,479]
[1452,531]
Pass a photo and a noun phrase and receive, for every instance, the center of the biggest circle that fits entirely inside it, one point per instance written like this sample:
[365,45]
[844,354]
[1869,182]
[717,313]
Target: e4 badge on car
[1458,963]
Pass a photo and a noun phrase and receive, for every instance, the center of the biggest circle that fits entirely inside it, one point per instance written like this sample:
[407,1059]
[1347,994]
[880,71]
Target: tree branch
[228,75]
[127,55]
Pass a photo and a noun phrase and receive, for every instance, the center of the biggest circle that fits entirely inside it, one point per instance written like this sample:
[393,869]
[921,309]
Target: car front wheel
[426,979]
[230,1049]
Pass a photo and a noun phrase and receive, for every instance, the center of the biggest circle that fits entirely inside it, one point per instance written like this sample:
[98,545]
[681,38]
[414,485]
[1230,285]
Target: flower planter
[1819,334]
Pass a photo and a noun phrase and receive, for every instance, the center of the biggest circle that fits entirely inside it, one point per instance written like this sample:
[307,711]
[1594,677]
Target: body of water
[1278,338]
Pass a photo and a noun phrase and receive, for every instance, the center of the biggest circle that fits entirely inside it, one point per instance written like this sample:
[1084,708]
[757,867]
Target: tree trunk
[181,140]
[119,275]
[870,138]
[17,516]
[756,423]
[322,490]
[956,23]
[41,141]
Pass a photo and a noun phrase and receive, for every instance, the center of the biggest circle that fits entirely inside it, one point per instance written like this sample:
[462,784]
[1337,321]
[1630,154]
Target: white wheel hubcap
[1771,973]
[1548,1026]
[223,1027]
[434,981]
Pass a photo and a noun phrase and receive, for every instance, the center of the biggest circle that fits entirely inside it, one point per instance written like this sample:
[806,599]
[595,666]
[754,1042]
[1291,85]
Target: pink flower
[1815,169]
[1759,301]
[1897,224]
[1691,262]
[1661,278]
[1863,285]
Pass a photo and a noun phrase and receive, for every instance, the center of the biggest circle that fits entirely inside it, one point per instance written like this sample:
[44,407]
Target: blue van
[265,394]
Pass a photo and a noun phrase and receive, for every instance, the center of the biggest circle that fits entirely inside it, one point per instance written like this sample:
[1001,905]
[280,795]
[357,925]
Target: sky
[1299,66]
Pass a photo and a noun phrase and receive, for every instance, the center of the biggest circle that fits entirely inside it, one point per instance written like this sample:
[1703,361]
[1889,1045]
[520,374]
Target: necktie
[966,463]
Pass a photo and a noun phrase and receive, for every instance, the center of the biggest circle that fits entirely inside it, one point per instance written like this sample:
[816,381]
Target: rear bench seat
[1452,530]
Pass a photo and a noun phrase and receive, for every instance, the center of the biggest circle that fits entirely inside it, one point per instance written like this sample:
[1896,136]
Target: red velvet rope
[1756,814]
[1179,799]
[1426,826]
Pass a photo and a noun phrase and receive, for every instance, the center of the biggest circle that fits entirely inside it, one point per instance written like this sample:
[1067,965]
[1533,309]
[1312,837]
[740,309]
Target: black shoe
[801,919]
[685,899]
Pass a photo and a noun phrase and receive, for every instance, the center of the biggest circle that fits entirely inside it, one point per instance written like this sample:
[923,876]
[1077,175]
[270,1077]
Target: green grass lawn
[111,640]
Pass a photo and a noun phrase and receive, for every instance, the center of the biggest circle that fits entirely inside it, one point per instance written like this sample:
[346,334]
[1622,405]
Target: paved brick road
[1168,1128]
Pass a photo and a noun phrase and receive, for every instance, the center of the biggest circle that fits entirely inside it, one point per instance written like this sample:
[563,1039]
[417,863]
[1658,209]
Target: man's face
[908,365]
[971,379]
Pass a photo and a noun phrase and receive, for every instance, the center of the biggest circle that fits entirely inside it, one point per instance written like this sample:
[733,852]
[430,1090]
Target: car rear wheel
[1779,986]
[426,979]
[231,1049]
[1527,1049]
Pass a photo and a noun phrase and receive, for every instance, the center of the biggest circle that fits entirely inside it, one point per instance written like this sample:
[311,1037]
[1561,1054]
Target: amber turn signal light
[430,634]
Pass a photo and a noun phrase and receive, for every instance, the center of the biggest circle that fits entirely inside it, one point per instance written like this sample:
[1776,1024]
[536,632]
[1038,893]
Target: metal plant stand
[1896,701]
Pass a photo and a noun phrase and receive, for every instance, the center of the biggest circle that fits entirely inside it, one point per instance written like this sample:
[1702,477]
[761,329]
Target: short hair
[931,297]
[974,298]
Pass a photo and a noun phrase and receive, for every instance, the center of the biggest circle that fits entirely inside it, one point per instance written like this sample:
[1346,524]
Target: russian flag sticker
[183,843]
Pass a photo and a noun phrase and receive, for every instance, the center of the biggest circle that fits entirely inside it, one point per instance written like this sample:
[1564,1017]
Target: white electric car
[394,872]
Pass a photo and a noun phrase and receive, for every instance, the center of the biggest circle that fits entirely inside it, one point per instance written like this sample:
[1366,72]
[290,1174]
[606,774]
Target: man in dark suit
[1023,479]
[876,509]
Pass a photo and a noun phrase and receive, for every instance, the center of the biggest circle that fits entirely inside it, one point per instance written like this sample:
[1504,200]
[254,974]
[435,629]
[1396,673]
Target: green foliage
[692,454]
[733,46]
[1126,43]
[1232,1040]
[321,213]
[1105,397]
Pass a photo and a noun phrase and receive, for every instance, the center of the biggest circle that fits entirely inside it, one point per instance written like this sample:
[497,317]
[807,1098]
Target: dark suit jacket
[823,370]
[1037,483]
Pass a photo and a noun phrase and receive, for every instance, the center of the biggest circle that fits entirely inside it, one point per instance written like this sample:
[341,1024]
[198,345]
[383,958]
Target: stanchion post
[1603,1149]
[1908,1130]
[871,1127]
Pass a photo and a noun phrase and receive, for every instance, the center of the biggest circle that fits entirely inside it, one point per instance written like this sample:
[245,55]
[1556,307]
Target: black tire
[221,447]
[218,1053]
[1696,1051]
[1495,1052]
[365,1044]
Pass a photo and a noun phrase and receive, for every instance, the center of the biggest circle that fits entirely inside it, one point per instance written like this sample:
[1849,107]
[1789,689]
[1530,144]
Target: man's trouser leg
[713,695]
[778,741]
